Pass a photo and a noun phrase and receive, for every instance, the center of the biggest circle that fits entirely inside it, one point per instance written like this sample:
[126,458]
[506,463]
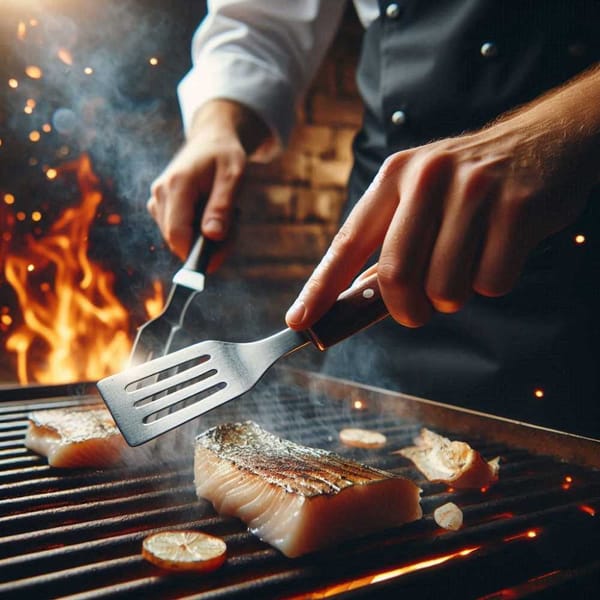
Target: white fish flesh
[296,498]
[71,437]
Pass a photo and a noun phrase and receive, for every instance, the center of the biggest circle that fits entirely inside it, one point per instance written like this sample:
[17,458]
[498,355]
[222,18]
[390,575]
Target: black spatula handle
[200,254]
[358,307]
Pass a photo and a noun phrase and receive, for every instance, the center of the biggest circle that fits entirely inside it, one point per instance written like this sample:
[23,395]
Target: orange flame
[74,327]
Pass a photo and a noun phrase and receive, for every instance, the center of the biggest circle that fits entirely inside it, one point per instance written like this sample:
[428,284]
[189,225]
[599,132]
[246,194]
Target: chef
[473,194]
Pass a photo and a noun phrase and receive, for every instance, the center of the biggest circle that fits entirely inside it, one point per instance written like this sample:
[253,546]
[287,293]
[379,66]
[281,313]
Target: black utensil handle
[200,254]
[355,309]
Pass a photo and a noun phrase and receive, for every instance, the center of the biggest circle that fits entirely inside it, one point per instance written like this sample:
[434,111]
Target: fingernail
[295,315]
[214,227]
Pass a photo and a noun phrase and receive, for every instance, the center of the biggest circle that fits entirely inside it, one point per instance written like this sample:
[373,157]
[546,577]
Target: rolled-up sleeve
[261,53]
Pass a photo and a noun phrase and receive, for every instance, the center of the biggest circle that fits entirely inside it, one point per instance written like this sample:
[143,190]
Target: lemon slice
[184,551]
[362,438]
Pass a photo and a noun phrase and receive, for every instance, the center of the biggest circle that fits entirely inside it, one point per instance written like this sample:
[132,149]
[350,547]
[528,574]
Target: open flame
[74,328]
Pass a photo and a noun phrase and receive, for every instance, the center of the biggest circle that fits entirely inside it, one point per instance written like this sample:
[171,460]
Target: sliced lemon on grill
[184,550]
[362,438]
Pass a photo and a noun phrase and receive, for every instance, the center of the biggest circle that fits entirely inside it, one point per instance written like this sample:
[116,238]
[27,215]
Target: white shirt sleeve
[262,53]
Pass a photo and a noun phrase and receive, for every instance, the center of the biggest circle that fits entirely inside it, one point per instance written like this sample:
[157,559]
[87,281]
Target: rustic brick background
[290,207]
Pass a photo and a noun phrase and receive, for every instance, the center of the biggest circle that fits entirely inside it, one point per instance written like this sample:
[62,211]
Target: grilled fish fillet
[296,498]
[454,463]
[75,437]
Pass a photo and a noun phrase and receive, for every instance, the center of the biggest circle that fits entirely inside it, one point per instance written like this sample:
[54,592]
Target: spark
[358,404]
[538,393]
[13,83]
[31,267]
[588,510]
[21,30]
[35,136]
[579,239]
[33,72]
[153,61]
[88,70]
[21,216]
[36,215]
[51,173]
[6,320]
[9,199]
[46,128]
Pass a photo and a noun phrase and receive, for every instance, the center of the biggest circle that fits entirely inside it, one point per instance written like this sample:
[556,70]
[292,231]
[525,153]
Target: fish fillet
[296,498]
[75,437]
[454,463]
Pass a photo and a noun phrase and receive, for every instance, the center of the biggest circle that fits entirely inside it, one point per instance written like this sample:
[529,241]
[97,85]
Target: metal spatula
[151,399]
[155,338]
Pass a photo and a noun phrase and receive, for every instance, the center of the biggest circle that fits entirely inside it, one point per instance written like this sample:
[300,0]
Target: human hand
[207,169]
[461,215]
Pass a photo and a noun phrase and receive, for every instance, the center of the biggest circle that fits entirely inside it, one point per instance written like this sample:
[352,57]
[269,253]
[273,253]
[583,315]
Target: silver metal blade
[152,398]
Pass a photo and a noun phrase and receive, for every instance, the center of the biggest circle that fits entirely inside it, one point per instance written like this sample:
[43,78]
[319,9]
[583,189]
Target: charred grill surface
[78,533]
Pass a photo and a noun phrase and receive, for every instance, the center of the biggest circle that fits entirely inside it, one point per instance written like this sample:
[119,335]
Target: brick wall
[290,207]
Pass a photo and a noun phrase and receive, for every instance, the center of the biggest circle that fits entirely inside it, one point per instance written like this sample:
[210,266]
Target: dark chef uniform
[435,68]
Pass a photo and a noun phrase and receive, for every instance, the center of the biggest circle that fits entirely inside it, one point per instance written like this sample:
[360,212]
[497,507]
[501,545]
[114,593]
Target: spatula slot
[205,393]
[166,389]
[144,382]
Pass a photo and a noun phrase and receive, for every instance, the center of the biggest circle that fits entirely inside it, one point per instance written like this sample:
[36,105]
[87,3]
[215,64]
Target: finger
[450,277]
[407,247]
[509,242]
[367,273]
[360,235]
[177,227]
[218,212]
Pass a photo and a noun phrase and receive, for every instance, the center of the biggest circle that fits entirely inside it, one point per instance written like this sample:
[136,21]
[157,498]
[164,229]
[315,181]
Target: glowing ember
[13,83]
[530,534]
[580,239]
[46,128]
[589,510]
[153,61]
[9,199]
[51,173]
[358,583]
[33,72]
[72,326]
[538,393]
[358,404]
[35,136]
[88,70]
[21,30]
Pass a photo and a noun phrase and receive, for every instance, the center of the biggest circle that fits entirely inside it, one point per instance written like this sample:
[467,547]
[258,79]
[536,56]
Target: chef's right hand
[208,168]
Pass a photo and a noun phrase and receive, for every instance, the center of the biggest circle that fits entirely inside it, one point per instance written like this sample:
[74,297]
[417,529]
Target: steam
[108,81]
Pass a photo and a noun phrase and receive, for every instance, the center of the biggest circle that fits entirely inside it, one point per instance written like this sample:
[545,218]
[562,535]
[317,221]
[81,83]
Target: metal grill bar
[77,534]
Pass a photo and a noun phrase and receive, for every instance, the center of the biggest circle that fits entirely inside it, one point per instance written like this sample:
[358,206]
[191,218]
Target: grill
[78,534]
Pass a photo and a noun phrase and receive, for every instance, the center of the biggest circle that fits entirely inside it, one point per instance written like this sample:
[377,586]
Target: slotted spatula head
[150,399]
[161,394]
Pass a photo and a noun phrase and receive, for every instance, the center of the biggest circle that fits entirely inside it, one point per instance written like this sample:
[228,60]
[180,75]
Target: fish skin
[296,498]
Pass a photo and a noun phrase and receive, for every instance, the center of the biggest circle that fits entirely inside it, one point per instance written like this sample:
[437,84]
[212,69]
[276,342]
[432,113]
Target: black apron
[436,68]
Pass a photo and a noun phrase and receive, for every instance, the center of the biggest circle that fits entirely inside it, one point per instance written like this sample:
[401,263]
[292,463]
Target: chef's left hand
[461,215]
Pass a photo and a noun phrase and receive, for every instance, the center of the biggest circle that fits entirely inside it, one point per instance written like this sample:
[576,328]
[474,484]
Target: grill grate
[78,533]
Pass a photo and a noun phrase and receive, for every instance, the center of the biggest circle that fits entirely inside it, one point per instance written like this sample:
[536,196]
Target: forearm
[563,124]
